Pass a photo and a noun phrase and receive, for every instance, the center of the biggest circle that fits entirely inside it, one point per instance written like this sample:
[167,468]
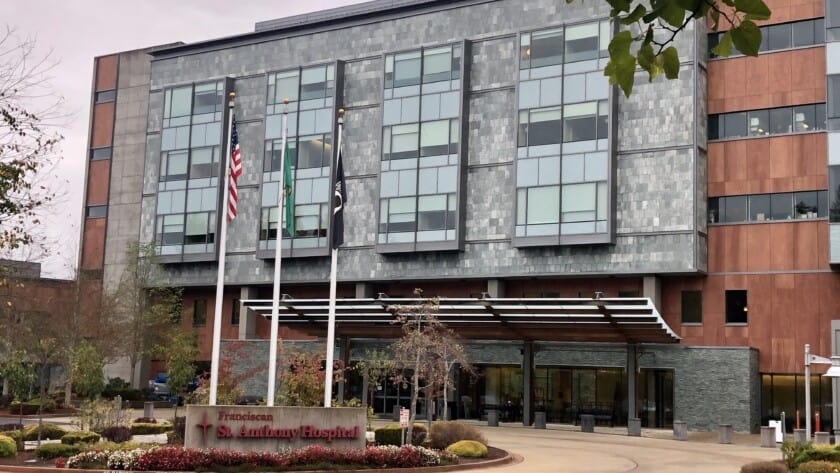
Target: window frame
[684,301]
[736,303]
[196,320]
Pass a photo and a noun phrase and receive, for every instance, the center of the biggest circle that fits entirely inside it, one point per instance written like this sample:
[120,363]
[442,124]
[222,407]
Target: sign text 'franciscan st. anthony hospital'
[269,428]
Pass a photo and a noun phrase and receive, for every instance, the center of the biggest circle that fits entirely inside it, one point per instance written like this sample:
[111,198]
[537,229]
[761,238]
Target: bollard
[821,438]
[149,410]
[492,418]
[587,423]
[539,420]
[725,433]
[799,435]
[768,437]
[680,430]
[634,427]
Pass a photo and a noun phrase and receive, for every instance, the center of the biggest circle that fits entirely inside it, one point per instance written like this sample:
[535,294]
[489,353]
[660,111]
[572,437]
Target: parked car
[160,390]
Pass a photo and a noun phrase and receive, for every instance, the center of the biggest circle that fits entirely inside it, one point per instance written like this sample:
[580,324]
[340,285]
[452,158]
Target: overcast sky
[75,31]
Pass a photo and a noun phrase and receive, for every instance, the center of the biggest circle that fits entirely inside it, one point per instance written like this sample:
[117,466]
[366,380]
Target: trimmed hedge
[30,408]
[48,432]
[144,428]
[391,434]
[54,450]
[468,449]
[818,466]
[765,467]
[117,434]
[8,446]
[74,438]
[444,434]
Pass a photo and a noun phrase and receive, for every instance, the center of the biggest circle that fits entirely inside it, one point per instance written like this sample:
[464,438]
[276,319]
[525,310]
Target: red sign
[269,431]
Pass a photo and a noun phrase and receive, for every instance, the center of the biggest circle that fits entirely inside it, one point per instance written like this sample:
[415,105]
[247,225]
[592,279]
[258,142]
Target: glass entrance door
[656,398]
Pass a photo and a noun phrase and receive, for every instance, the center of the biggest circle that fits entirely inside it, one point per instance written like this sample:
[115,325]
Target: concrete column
[652,288]
[528,382]
[345,360]
[835,382]
[364,290]
[496,288]
[631,381]
[247,317]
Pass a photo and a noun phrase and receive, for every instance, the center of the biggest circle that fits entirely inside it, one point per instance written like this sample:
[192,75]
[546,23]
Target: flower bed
[186,459]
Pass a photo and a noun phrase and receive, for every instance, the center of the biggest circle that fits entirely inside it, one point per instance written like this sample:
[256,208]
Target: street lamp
[833,372]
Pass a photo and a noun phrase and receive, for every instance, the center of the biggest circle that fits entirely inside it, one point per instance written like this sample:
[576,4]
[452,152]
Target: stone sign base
[270,429]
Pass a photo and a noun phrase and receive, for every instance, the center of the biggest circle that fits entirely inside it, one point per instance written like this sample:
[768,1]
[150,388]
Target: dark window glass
[456,62]
[804,118]
[715,210]
[781,206]
[736,209]
[805,204]
[547,132]
[105,96]
[759,122]
[714,39]
[832,14]
[547,48]
[735,124]
[822,204]
[780,120]
[759,207]
[819,116]
[96,211]
[736,306]
[833,104]
[603,126]
[311,151]
[819,31]
[273,150]
[200,312]
[777,36]
[803,33]
[692,307]
[234,313]
[206,99]
[714,127]
[582,49]
[834,193]
[574,129]
[100,153]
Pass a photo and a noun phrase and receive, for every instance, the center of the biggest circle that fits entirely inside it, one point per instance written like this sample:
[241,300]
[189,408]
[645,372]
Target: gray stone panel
[656,168]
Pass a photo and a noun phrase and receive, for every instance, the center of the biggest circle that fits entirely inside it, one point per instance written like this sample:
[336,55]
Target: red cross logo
[204,426]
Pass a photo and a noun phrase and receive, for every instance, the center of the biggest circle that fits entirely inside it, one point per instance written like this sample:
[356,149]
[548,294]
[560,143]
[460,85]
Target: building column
[835,382]
[528,383]
[247,317]
[632,364]
[652,289]
[345,361]
[495,288]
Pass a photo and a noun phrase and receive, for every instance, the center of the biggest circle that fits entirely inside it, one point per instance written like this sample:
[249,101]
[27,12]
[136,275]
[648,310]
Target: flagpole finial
[286,101]
[340,113]
[232,96]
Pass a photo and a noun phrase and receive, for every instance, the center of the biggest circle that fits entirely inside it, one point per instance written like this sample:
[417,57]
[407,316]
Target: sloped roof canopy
[633,320]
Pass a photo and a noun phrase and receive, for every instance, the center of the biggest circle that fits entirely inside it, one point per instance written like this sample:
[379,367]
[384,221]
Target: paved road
[558,451]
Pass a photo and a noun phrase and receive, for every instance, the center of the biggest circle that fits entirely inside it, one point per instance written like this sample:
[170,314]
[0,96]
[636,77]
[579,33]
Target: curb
[507,459]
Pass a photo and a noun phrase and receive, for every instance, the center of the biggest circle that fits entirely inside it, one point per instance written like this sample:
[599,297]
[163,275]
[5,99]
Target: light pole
[833,372]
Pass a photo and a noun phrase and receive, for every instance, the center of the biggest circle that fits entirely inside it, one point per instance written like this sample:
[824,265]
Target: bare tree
[426,352]
[146,308]
[376,367]
[29,113]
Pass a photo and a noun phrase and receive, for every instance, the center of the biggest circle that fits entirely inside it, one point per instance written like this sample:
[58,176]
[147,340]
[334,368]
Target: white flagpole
[328,378]
[220,279]
[278,253]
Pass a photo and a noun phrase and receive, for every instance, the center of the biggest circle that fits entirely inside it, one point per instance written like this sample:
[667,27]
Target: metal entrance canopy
[630,320]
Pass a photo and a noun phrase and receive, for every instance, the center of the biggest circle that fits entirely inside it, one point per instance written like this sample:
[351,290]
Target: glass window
[819,31]
[780,120]
[544,127]
[285,87]
[833,93]
[582,42]
[407,69]
[543,205]
[781,206]
[313,83]
[525,51]
[736,306]
[437,64]
[735,209]
[432,213]
[579,122]
[803,118]
[692,307]
[715,209]
[181,102]
[207,99]
[714,127]
[200,312]
[579,202]
[100,153]
[819,116]
[822,204]
[434,138]
[834,193]
[96,211]
[803,33]
[546,48]
[105,96]
[735,124]
[805,204]
[404,141]
[759,122]
[777,36]
[234,312]
[310,151]
[759,207]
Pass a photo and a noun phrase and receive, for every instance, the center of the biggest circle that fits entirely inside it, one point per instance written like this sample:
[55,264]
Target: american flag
[235,171]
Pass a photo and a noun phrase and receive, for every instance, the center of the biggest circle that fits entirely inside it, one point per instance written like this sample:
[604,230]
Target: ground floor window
[786,393]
